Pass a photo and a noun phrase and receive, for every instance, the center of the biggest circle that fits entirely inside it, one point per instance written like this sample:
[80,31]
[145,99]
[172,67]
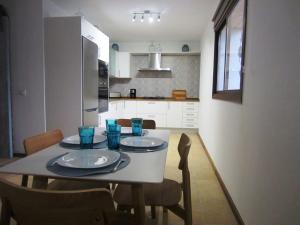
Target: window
[230,24]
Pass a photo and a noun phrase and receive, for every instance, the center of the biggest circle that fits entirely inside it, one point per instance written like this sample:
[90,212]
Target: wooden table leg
[40,182]
[138,203]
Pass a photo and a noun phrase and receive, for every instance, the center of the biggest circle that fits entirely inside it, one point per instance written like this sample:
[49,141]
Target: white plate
[88,159]
[141,142]
[75,139]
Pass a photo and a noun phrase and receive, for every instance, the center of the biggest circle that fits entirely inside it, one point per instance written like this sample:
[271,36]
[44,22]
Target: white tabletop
[143,168]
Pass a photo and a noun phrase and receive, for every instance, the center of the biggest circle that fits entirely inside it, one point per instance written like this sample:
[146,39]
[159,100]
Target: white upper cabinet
[119,64]
[92,33]
[124,64]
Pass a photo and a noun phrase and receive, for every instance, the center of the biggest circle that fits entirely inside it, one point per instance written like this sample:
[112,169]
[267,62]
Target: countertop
[155,99]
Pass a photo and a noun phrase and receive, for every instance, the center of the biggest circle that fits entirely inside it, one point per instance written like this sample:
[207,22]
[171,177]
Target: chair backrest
[124,122]
[184,149]
[36,207]
[147,124]
[42,141]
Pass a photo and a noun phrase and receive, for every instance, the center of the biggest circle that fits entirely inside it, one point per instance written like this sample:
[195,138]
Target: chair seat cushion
[167,193]
[68,185]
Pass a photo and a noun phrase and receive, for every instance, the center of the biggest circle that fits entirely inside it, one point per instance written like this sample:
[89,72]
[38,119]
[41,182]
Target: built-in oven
[103,90]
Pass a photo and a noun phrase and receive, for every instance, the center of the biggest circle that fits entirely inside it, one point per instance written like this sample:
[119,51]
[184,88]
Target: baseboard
[19,155]
[228,197]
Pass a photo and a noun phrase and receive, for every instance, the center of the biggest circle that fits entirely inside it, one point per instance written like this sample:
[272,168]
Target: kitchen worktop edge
[153,99]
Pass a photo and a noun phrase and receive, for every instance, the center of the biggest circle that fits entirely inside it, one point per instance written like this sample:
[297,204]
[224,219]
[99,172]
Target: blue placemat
[77,147]
[72,172]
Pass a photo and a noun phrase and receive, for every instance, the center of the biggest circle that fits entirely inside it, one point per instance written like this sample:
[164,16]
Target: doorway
[6,150]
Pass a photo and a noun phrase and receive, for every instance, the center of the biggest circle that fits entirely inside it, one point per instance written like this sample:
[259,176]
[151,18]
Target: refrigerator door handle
[91,110]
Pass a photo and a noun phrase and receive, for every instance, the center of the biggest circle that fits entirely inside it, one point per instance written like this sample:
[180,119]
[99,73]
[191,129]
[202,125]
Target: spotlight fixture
[146,14]
[150,19]
[134,17]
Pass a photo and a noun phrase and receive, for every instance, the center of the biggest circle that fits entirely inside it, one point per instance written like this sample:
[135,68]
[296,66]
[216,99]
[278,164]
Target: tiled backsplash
[185,75]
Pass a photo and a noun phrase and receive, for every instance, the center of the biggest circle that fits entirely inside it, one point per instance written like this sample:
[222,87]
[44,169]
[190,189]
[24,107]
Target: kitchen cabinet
[168,114]
[153,110]
[152,107]
[160,119]
[129,110]
[92,33]
[174,114]
[190,115]
[119,64]
[115,111]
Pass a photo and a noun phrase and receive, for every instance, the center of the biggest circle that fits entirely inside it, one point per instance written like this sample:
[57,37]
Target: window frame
[220,19]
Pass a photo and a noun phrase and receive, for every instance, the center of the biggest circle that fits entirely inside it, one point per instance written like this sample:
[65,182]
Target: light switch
[23,92]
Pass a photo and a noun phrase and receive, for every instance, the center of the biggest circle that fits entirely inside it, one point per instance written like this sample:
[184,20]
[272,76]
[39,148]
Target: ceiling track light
[146,14]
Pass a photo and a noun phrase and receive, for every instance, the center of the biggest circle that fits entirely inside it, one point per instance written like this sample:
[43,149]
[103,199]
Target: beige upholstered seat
[167,194]
[147,124]
[41,207]
[45,140]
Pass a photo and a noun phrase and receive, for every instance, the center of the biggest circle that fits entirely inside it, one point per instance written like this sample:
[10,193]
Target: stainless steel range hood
[154,64]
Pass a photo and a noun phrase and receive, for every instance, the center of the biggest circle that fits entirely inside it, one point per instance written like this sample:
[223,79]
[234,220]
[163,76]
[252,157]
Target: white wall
[27,66]
[50,9]
[255,145]
[27,60]
[167,46]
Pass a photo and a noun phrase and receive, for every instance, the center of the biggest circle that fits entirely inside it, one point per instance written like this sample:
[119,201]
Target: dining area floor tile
[209,203]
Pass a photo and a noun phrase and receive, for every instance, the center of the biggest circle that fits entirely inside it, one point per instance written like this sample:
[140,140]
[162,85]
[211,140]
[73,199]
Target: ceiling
[181,20]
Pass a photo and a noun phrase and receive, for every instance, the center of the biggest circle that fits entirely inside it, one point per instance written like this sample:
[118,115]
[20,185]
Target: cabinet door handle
[190,114]
[151,116]
[152,103]
[91,110]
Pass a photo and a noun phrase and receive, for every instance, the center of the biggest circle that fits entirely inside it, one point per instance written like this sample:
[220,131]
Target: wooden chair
[147,124]
[44,207]
[39,142]
[168,193]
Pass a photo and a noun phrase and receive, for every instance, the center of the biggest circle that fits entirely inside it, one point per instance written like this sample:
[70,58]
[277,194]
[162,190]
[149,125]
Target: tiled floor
[210,206]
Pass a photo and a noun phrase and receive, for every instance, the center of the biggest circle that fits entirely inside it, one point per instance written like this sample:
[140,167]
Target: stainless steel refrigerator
[90,82]
[71,66]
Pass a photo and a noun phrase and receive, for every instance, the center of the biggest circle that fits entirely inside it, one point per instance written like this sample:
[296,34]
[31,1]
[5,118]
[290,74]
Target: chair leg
[153,212]
[24,181]
[165,210]
[5,212]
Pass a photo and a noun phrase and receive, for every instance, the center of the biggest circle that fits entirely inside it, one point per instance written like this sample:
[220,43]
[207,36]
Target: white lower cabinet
[190,115]
[160,119]
[170,114]
[129,109]
[174,115]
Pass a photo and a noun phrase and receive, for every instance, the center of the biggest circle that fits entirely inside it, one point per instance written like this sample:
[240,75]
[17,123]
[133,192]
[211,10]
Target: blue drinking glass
[86,135]
[113,136]
[137,126]
[110,122]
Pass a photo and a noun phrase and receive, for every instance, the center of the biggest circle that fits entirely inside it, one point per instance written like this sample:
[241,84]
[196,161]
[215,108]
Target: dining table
[144,167]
